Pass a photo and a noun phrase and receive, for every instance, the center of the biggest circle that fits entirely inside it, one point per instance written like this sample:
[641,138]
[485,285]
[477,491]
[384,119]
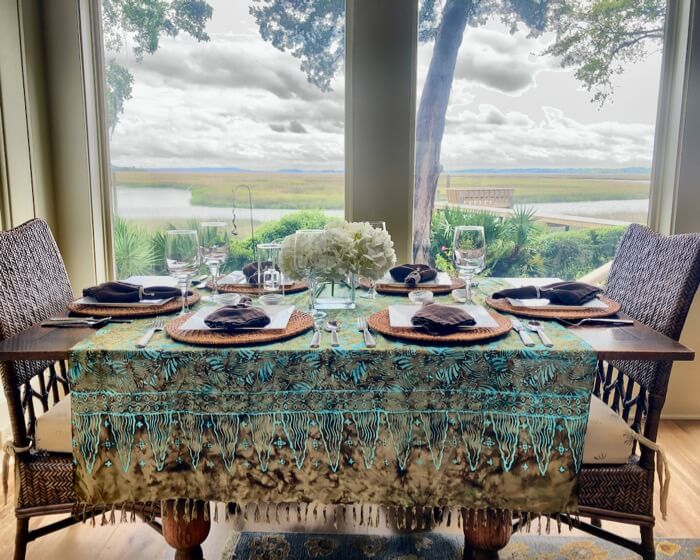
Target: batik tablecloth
[493,425]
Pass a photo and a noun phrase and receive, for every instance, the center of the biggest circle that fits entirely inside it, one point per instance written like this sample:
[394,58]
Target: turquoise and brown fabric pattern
[493,425]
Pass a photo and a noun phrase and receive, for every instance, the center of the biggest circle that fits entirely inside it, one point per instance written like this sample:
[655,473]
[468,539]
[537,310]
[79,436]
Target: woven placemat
[257,290]
[298,324]
[540,313]
[133,312]
[380,322]
[399,290]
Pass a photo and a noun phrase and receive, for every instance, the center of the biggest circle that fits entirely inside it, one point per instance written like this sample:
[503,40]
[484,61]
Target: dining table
[477,434]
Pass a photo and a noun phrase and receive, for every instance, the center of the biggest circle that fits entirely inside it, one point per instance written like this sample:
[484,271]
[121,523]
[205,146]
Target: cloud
[505,62]
[489,137]
[297,128]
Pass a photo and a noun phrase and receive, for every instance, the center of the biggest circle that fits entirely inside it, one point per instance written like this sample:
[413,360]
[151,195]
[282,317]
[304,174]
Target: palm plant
[133,249]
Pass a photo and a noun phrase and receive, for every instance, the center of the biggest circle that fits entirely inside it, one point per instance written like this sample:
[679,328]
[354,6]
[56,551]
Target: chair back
[654,277]
[33,287]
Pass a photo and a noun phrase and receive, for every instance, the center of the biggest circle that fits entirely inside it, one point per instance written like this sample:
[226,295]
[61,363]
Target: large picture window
[535,120]
[206,95]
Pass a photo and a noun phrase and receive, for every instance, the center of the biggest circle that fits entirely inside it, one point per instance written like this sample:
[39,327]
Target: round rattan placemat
[380,322]
[389,289]
[257,290]
[133,312]
[298,324]
[539,313]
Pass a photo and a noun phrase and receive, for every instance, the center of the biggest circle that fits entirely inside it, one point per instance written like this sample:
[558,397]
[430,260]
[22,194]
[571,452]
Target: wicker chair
[655,278]
[34,287]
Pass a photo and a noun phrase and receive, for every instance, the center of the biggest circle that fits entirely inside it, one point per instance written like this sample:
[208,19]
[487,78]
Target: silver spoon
[333,326]
[536,326]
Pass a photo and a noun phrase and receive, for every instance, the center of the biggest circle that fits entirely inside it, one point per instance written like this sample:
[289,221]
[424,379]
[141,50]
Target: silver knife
[524,336]
[316,338]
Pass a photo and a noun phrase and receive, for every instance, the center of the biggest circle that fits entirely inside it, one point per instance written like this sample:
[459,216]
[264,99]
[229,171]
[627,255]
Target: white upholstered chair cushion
[609,439]
[53,429]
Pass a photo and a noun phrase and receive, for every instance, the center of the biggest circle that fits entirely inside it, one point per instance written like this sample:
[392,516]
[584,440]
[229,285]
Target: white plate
[279,317]
[142,303]
[544,303]
[442,279]
[520,282]
[148,281]
[237,278]
[400,316]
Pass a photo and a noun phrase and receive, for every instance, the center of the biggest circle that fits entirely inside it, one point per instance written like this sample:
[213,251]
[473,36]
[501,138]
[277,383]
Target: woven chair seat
[622,488]
[45,479]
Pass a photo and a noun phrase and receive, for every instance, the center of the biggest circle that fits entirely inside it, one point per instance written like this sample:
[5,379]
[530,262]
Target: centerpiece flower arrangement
[343,251]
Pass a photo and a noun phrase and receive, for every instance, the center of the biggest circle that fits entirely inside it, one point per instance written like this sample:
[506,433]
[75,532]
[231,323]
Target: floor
[680,440]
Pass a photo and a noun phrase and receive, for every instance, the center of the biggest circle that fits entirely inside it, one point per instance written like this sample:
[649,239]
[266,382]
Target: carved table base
[186,536]
[486,532]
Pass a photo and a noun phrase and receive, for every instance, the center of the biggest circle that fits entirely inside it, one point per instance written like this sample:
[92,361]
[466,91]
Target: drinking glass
[305,262]
[182,259]
[214,247]
[469,254]
[372,292]
[269,276]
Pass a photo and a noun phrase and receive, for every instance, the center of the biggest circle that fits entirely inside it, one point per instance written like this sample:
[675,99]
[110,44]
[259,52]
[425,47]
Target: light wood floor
[680,440]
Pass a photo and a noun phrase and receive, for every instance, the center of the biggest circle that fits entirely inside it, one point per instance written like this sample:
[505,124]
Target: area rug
[434,546]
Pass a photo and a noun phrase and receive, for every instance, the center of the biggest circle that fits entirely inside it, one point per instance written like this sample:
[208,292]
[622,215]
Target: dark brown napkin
[124,292]
[438,319]
[412,274]
[232,317]
[250,271]
[559,293]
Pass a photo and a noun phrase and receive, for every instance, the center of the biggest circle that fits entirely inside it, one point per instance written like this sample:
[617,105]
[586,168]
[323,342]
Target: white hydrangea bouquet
[343,248]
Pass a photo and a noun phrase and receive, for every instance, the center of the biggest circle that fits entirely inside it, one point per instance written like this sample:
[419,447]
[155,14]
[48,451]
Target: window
[548,130]
[204,96]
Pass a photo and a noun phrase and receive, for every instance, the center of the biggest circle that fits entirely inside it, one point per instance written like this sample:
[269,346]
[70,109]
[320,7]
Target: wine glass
[182,259]
[214,246]
[469,254]
[372,292]
[304,261]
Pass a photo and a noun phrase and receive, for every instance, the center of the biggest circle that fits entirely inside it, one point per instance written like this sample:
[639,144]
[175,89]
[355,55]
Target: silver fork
[536,326]
[362,326]
[158,325]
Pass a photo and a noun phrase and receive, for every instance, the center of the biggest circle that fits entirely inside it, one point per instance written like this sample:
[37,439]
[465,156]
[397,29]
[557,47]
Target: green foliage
[143,23]
[133,253]
[571,254]
[119,81]
[600,37]
[517,246]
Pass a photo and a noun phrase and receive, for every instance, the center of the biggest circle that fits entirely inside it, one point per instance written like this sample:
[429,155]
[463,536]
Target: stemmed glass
[372,292]
[469,254]
[303,240]
[182,259]
[214,246]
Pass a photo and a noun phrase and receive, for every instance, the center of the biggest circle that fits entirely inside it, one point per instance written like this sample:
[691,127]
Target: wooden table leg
[186,536]
[486,532]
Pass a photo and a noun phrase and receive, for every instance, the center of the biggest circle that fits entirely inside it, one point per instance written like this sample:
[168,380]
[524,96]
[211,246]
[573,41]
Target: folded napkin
[412,274]
[438,319]
[559,293]
[250,271]
[123,292]
[232,317]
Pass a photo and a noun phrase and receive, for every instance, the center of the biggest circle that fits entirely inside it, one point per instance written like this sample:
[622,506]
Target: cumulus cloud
[505,62]
[488,137]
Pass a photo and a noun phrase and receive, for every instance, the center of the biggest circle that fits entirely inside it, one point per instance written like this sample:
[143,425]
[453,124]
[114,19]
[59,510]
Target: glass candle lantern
[269,275]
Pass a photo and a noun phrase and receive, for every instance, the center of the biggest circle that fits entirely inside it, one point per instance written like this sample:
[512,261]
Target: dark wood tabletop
[637,342]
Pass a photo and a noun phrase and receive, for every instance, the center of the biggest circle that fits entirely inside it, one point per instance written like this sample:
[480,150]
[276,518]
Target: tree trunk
[430,121]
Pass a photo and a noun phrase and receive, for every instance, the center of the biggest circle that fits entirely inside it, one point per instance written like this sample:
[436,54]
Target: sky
[237,101]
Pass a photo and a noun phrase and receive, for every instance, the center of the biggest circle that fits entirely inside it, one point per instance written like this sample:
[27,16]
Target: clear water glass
[182,259]
[304,238]
[372,292]
[469,254]
[269,275]
[214,245]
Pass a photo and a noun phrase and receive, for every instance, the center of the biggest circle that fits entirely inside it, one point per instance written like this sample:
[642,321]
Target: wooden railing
[493,197]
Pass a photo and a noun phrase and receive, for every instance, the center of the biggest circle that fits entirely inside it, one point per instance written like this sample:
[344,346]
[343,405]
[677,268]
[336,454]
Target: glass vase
[333,294]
